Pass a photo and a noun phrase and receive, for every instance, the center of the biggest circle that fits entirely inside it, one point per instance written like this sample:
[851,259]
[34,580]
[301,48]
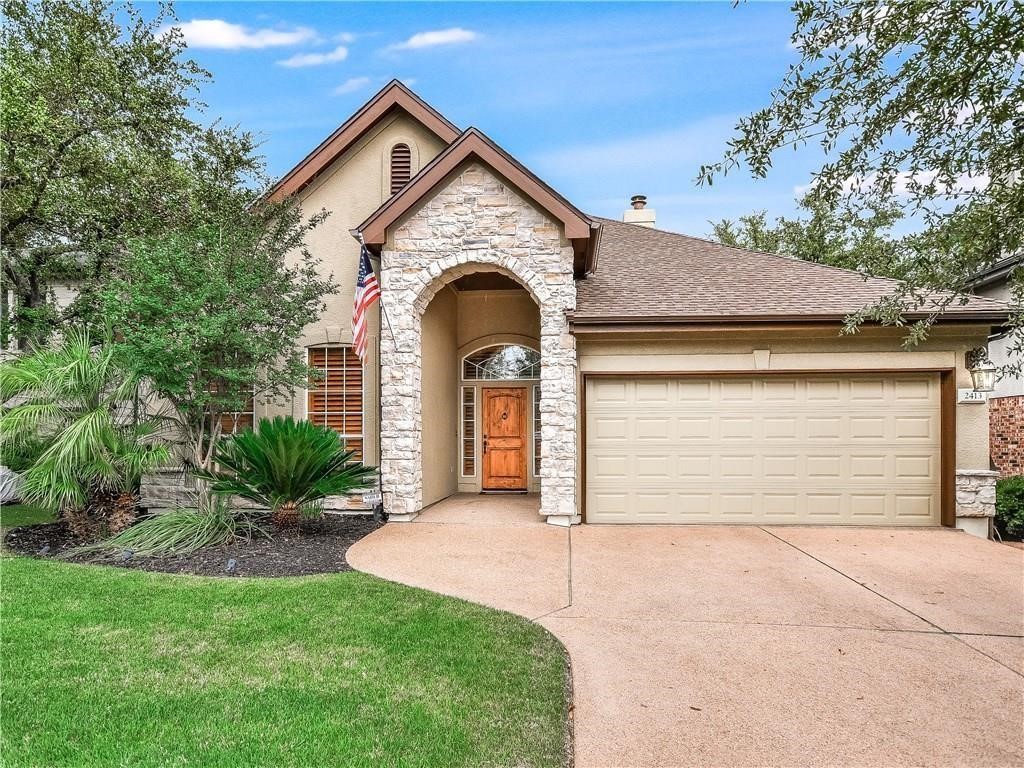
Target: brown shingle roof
[651,275]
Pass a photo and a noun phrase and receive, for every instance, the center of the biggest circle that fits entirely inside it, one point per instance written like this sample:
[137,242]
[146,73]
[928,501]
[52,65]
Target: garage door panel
[855,450]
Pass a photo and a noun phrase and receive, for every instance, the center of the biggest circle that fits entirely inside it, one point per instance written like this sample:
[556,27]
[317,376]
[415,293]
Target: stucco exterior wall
[806,350]
[476,222]
[483,314]
[440,413]
[352,188]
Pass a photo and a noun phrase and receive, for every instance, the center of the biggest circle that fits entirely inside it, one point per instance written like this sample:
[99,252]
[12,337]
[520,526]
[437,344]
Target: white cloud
[352,85]
[344,37]
[217,33]
[316,59]
[434,38]
[906,183]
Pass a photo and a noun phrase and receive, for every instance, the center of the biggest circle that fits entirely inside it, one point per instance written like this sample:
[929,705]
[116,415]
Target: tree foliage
[916,104]
[95,114]
[108,181]
[210,312]
[823,236]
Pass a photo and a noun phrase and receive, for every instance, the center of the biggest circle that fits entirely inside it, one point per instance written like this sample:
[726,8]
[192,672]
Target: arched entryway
[480,393]
[482,352]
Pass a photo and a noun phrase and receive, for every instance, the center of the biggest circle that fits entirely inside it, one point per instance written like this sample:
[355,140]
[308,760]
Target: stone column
[975,500]
[557,418]
[401,435]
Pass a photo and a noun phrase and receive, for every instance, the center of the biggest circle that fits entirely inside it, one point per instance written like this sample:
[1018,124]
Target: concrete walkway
[745,645]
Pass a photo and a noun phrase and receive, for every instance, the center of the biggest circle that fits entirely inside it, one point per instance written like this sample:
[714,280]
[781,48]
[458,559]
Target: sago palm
[286,465]
[80,402]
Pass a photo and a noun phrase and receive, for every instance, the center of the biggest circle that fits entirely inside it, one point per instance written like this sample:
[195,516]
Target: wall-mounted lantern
[982,370]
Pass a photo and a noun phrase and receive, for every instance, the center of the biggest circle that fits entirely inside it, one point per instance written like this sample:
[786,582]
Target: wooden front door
[504,417]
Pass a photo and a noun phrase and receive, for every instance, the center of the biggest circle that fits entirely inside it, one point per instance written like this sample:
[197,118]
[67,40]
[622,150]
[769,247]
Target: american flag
[367,292]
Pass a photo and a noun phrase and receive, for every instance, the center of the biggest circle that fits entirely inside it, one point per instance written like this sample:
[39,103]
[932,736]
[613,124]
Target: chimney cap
[638,202]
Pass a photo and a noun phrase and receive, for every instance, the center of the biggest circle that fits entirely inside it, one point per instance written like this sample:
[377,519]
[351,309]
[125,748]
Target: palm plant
[286,465]
[81,402]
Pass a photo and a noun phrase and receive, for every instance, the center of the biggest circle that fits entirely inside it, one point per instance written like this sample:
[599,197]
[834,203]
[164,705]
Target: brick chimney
[638,212]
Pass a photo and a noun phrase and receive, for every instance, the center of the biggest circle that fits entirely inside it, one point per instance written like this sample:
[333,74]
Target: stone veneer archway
[476,223]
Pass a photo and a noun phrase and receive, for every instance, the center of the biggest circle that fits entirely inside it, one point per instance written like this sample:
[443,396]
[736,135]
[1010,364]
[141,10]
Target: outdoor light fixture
[983,372]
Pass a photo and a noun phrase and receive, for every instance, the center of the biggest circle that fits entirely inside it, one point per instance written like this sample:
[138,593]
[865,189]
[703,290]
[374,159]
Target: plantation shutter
[401,166]
[335,396]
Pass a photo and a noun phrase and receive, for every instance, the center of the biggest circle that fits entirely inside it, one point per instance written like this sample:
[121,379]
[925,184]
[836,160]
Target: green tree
[824,236]
[81,403]
[916,104]
[95,103]
[211,311]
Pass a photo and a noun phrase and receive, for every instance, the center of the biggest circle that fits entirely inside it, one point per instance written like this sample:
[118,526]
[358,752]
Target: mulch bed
[318,547]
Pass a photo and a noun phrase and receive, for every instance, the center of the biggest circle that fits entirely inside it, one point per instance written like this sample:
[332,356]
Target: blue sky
[602,100]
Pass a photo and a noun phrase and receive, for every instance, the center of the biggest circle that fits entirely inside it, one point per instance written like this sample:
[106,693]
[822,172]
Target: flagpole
[378,512]
[380,299]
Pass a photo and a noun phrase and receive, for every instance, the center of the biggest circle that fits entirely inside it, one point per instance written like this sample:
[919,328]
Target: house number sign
[968,395]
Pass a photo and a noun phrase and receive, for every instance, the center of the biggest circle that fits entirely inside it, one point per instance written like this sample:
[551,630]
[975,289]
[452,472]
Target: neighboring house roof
[472,145]
[998,272]
[649,276]
[392,96]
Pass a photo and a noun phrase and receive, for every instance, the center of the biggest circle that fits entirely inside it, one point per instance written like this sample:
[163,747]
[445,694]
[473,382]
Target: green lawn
[13,515]
[120,668]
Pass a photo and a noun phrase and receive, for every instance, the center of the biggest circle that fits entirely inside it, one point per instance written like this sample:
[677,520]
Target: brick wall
[1006,434]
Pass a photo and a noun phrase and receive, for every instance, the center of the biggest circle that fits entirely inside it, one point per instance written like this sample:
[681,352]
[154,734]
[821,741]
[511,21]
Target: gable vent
[401,166]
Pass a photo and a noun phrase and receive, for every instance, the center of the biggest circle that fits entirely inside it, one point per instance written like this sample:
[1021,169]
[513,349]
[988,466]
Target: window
[503,362]
[401,166]
[468,431]
[335,396]
[536,430]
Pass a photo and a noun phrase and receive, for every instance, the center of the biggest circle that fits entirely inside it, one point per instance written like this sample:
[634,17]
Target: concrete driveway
[747,645]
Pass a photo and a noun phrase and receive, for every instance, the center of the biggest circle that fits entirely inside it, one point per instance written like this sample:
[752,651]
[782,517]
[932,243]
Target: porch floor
[485,509]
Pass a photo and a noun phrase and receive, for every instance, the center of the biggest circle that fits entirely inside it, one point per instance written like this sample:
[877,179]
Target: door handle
[485,443]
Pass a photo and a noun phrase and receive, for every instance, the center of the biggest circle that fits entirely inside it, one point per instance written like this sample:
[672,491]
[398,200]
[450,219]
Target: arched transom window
[502,362]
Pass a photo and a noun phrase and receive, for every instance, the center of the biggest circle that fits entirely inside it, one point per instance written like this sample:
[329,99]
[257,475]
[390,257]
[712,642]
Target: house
[1006,403]
[624,373]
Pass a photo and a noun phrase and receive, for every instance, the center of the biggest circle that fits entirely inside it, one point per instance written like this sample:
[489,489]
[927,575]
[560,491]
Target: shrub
[182,531]
[1010,505]
[78,402]
[287,465]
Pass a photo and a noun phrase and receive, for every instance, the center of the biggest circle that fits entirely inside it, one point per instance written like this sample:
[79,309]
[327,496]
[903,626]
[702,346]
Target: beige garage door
[853,450]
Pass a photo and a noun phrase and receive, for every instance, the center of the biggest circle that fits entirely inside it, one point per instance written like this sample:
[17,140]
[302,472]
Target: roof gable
[392,96]
[580,229]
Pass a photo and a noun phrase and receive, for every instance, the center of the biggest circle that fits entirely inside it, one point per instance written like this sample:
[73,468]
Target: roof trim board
[662,322]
